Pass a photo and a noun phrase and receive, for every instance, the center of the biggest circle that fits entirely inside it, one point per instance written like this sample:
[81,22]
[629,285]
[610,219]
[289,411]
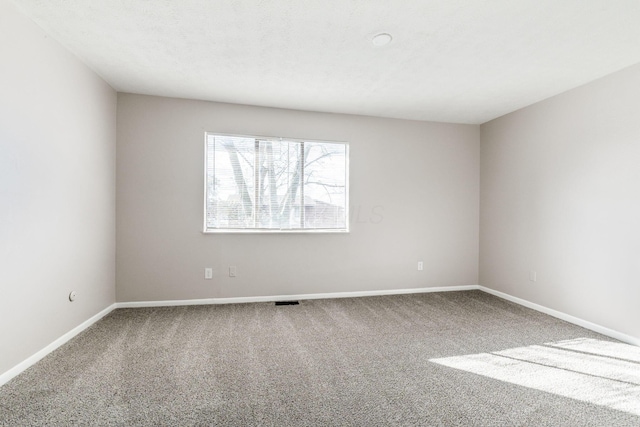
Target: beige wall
[422,178]
[57,190]
[560,195]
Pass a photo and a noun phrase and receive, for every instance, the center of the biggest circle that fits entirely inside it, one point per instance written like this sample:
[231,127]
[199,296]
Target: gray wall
[414,196]
[57,190]
[560,195]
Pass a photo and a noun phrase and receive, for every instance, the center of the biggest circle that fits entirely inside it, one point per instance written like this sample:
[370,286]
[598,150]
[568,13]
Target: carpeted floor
[438,359]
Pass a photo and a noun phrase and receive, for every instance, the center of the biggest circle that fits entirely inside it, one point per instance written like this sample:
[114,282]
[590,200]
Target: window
[274,184]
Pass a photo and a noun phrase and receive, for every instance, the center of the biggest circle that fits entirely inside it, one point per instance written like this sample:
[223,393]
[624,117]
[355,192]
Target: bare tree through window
[275,184]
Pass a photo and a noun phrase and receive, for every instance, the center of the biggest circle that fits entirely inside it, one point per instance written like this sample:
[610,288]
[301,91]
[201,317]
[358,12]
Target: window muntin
[274,184]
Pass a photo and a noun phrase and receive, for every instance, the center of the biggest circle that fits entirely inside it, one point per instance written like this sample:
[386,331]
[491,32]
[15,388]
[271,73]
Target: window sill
[269,231]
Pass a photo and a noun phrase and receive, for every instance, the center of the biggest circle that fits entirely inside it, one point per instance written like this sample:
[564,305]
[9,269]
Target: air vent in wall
[287,303]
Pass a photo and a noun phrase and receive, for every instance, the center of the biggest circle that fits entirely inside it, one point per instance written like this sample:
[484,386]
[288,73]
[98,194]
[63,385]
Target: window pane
[325,189]
[273,184]
[230,182]
[280,185]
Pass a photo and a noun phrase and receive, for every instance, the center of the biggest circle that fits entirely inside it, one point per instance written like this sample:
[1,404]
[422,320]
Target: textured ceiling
[464,61]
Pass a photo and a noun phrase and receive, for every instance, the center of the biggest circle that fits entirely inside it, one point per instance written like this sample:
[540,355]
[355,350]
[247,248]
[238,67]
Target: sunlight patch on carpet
[599,372]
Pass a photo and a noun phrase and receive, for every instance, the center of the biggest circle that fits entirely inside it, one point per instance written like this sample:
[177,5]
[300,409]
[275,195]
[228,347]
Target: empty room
[319,213]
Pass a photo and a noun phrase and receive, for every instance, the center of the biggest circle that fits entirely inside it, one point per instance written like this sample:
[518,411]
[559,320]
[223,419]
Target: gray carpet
[407,360]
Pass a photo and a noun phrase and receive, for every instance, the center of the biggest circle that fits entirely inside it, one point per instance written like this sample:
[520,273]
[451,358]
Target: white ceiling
[463,61]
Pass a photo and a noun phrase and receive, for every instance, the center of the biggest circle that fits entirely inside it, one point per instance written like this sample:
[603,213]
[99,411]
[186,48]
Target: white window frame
[207,230]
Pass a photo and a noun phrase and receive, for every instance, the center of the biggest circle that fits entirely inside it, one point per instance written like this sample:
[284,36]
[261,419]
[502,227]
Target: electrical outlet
[232,271]
[208,273]
[533,276]
[420,266]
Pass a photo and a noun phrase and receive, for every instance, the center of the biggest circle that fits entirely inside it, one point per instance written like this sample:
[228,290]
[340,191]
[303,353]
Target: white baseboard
[22,366]
[566,317]
[237,300]
[11,373]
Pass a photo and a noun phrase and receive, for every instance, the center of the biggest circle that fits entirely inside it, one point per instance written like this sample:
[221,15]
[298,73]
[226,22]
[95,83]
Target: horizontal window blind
[273,184]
